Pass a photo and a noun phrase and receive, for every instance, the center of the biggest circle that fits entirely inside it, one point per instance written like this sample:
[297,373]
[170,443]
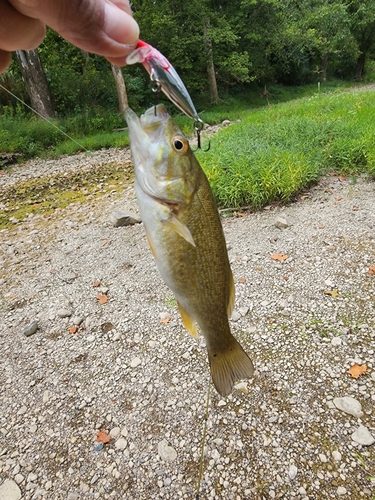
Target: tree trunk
[324,66]
[121,89]
[36,82]
[212,84]
[360,66]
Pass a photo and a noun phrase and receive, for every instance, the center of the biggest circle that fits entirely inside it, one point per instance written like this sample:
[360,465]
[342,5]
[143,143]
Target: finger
[18,31]
[5,60]
[103,27]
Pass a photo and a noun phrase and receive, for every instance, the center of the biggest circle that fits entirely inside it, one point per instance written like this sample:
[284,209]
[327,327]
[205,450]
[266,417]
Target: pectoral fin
[151,245]
[180,229]
[188,321]
[232,293]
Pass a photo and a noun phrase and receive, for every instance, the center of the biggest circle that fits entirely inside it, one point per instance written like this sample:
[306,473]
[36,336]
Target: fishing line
[44,118]
[203,442]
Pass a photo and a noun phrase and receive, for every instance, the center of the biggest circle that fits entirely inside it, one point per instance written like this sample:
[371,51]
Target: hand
[105,27]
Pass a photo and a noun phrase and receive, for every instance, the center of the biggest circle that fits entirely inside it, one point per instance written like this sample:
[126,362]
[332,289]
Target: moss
[43,195]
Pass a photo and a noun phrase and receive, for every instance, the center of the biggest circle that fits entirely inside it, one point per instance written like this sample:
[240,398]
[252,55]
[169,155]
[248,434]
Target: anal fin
[188,321]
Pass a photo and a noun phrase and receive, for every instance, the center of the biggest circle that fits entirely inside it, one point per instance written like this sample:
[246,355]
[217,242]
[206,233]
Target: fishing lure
[166,78]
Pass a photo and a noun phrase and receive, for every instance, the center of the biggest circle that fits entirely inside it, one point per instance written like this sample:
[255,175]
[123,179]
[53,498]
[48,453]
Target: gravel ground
[132,371]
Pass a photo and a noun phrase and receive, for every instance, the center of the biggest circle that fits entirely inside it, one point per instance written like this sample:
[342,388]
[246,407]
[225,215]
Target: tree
[36,82]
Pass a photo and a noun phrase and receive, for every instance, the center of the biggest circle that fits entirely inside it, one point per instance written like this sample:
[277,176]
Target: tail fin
[229,366]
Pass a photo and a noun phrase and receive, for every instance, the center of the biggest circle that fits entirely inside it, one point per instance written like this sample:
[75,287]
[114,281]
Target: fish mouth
[150,122]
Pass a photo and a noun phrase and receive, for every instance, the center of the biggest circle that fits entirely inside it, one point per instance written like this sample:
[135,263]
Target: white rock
[349,405]
[323,458]
[166,452]
[235,316]
[121,444]
[64,313]
[19,478]
[341,491]
[46,396]
[363,436]
[336,341]
[115,432]
[281,223]
[135,362]
[120,218]
[242,387]
[243,311]
[77,320]
[336,455]
[292,472]
[90,338]
[9,490]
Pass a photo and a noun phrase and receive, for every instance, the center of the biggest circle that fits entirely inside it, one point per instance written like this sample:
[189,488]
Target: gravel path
[304,428]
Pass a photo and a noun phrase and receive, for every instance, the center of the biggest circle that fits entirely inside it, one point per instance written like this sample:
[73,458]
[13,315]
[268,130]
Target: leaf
[242,280]
[371,270]
[333,293]
[357,370]
[73,329]
[96,284]
[339,198]
[321,227]
[103,437]
[279,256]
[102,299]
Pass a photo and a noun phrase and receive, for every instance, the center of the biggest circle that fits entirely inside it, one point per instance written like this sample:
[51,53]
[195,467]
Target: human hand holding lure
[166,78]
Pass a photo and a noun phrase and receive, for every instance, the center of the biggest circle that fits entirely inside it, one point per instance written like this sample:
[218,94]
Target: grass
[274,152]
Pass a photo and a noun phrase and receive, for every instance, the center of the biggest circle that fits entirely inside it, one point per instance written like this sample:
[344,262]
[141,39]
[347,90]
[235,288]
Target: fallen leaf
[355,209]
[73,329]
[285,278]
[165,320]
[304,196]
[339,198]
[242,280]
[96,284]
[371,270]
[103,437]
[321,227]
[279,256]
[102,299]
[332,293]
[341,178]
[239,214]
[357,370]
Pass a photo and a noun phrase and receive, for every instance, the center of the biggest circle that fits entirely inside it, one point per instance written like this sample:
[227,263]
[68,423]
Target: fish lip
[147,122]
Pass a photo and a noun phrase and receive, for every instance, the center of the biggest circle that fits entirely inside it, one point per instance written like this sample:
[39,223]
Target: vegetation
[271,154]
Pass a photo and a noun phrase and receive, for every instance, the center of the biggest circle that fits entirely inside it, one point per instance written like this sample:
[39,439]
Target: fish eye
[180,144]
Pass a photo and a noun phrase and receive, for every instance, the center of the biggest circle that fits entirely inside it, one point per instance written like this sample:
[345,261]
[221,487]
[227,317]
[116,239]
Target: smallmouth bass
[185,235]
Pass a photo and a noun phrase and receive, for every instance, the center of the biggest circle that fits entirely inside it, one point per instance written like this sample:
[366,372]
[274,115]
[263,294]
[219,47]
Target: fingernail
[120,26]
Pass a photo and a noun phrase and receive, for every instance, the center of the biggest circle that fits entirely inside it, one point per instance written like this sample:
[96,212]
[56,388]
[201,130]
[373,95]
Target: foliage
[273,153]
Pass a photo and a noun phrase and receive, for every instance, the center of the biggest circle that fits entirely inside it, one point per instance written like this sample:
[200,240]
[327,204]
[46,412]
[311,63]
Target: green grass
[276,151]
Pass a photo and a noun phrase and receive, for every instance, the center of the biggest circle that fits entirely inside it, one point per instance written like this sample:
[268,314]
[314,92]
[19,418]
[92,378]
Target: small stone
[119,218]
[72,496]
[64,313]
[30,329]
[336,455]
[166,452]
[98,446]
[121,444]
[323,458]
[77,320]
[46,396]
[221,403]
[341,491]
[363,436]
[243,311]
[235,316]
[9,490]
[242,387]
[117,336]
[19,478]
[135,362]
[115,432]
[225,123]
[349,405]
[336,341]
[69,277]
[281,223]
[292,472]
[164,316]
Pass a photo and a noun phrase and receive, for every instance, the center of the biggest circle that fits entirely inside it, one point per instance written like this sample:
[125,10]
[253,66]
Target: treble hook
[198,127]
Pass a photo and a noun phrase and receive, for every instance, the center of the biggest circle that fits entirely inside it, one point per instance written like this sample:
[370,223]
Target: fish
[163,73]
[185,235]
